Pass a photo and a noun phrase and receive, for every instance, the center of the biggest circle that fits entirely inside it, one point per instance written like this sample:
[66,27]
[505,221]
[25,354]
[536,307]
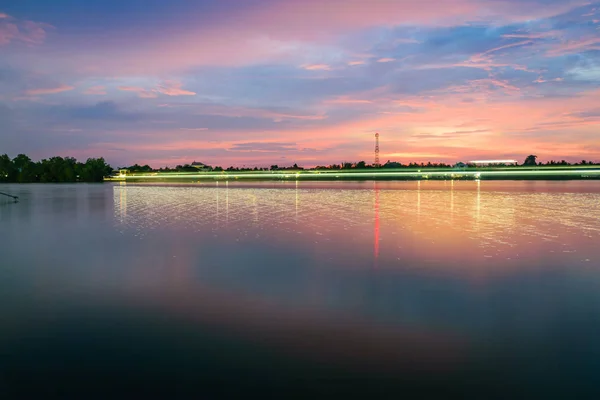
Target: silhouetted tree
[530,160]
[55,169]
[95,169]
[145,168]
[25,169]
[392,164]
[7,169]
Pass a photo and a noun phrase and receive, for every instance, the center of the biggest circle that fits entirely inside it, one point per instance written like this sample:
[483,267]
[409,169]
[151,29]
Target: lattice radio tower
[377,149]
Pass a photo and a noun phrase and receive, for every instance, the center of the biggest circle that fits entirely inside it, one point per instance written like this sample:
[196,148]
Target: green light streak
[332,175]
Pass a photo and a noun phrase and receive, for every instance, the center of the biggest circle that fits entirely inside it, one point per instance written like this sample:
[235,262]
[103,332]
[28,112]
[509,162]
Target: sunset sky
[261,82]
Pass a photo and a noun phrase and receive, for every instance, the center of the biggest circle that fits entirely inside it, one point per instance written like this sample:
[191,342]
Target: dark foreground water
[431,289]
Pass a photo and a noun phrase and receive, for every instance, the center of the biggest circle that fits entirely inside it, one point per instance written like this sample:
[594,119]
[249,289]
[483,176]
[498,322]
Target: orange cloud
[171,88]
[95,90]
[42,91]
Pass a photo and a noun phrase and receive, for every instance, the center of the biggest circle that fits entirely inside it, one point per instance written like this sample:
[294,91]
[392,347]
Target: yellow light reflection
[435,221]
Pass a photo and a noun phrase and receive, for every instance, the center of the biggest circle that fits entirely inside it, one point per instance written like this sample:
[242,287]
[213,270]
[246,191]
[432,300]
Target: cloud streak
[168,88]
[49,90]
[317,67]
[171,88]
[95,90]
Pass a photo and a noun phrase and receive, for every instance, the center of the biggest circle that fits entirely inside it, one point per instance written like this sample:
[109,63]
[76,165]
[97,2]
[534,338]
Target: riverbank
[514,173]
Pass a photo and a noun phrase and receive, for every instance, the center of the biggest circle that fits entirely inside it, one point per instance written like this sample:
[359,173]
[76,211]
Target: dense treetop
[22,169]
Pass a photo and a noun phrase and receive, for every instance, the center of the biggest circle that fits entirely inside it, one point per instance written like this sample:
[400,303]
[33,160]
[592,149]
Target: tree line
[22,169]
[531,160]
[360,165]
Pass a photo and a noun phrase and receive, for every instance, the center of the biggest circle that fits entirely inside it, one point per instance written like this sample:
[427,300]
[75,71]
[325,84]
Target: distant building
[481,163]
[460,165]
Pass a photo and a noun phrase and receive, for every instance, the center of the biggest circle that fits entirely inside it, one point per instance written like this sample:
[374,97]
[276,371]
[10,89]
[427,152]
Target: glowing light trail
[327,175]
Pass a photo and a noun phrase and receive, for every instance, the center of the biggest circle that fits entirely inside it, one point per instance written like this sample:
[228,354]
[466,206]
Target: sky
[262,82]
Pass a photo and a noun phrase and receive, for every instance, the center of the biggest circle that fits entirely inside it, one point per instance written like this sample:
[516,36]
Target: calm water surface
[481,289]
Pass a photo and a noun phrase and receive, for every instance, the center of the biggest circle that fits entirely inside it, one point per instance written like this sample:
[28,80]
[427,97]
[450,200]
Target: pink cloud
[238,111]
[386,60]
[95,90]
[502,84]
[483,55]
[29,32]
[573,46]
[282,31]
[171,88]
[484,60]
[355,63]
[534,35]
[307,19]
[141,92]
[168,88]
[347,100]
[8,32]
[53,90]
[317,67]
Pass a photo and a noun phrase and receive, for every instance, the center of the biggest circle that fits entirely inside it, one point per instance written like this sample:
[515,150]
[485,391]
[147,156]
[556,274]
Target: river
[476,289]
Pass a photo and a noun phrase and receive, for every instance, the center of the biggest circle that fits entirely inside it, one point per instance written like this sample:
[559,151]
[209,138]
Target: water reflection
[376,230]
[122,204]
[431,282]
[446,220]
